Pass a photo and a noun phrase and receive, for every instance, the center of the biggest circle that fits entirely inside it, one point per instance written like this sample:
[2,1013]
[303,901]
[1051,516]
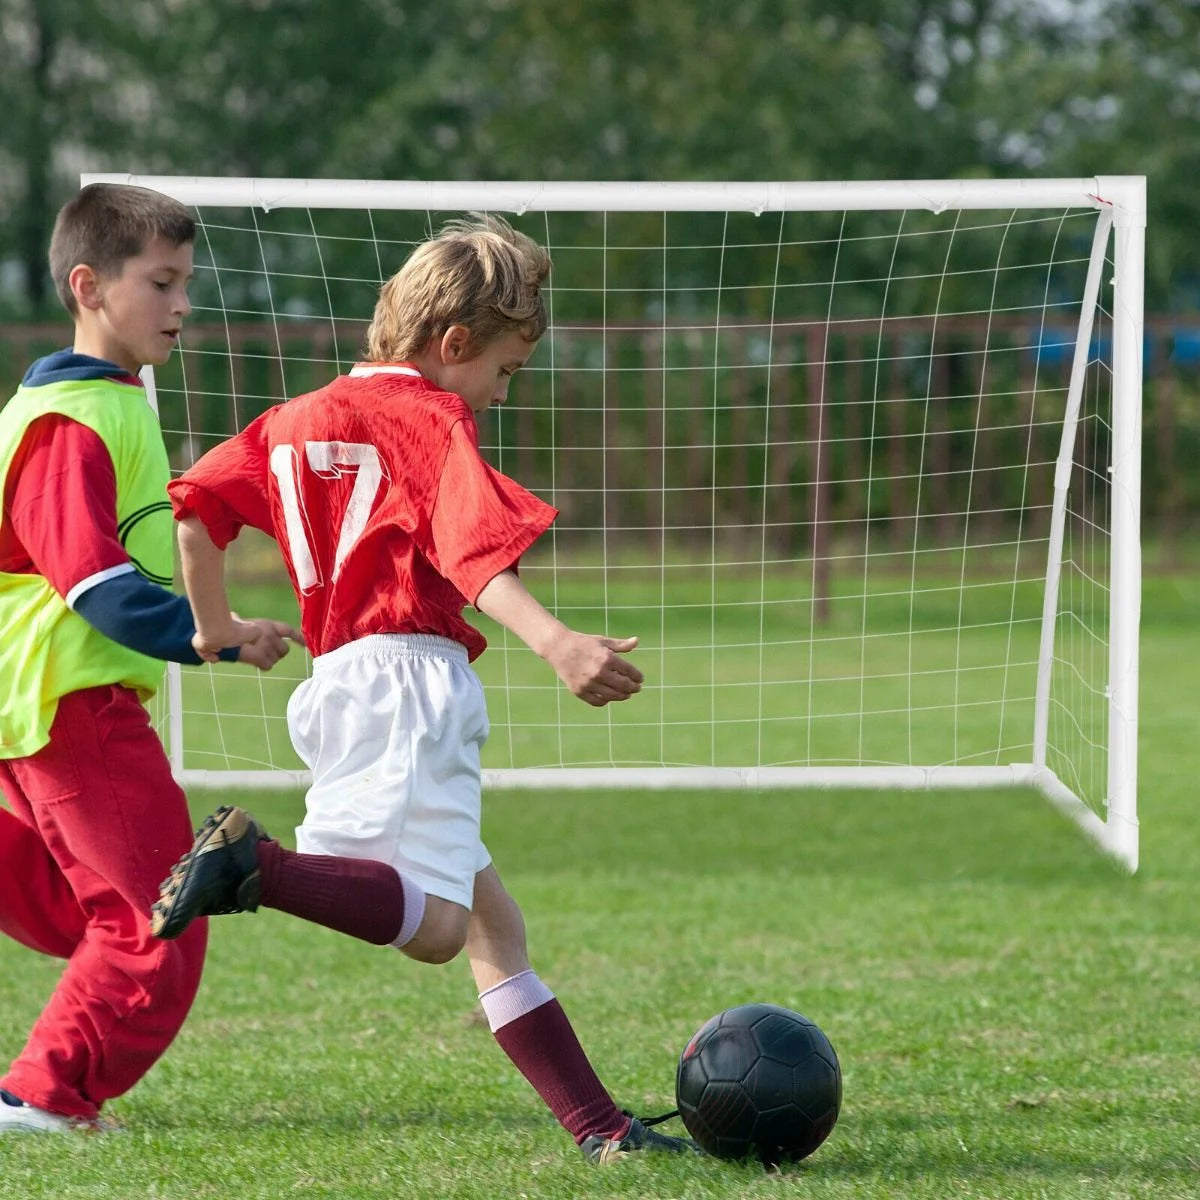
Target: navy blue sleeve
[144,617]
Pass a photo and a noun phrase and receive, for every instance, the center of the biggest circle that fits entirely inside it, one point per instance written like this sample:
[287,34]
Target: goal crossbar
[1124,193]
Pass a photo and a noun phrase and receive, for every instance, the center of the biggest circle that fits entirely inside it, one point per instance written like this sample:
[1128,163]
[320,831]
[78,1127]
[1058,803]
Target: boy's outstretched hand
[593,669]
[262,642]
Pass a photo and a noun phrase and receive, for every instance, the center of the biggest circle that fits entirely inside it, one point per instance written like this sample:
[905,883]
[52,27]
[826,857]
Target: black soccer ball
[759,1082]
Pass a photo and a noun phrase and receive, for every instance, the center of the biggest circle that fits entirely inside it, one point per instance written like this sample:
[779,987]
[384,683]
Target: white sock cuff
[414,912]
[513,998]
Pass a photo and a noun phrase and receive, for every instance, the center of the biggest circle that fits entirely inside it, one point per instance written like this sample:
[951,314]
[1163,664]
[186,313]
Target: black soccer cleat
[638,1136]
[219,874]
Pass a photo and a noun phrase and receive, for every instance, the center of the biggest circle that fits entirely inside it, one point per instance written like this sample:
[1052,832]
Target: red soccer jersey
[388,518]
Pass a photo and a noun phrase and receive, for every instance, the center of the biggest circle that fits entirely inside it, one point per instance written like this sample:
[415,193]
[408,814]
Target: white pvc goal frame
[1120,204]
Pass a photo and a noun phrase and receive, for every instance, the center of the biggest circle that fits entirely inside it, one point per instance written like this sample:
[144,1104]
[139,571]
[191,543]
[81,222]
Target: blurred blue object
[1185,346]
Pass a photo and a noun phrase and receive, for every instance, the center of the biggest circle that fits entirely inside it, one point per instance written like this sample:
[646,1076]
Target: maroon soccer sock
[544,1048]
[358,896]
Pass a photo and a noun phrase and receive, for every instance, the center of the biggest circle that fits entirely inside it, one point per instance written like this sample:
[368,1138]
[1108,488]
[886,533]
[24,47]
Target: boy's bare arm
[592,667]
[263,642]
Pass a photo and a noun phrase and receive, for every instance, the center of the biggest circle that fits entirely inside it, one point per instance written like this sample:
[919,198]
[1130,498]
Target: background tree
[686,89]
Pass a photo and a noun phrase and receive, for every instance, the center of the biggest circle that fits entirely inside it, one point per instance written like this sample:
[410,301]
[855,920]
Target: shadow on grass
[901,1147]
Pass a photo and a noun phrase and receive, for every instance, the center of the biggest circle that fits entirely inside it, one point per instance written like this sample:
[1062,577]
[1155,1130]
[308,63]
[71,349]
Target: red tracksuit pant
[97,822]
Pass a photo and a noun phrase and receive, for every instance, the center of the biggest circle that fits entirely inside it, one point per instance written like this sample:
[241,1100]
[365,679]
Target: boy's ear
[455,344]
[85,286]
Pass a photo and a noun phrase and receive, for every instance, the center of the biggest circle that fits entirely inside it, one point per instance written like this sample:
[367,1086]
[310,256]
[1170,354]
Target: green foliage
[755,89]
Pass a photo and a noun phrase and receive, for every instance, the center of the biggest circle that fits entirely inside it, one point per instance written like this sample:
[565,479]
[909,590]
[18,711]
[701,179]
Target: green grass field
[1015,1016]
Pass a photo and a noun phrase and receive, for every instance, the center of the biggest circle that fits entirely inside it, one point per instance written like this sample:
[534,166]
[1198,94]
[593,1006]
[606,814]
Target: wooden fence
[803,429]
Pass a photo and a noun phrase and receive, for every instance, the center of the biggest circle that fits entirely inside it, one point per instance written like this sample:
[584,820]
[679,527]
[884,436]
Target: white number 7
[327,460]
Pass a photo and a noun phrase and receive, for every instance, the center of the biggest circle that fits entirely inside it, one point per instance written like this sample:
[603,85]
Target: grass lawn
[1015,1016]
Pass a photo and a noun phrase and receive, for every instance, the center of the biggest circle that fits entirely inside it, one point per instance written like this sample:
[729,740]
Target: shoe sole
[162,912]
[68,1126]
[30,1127]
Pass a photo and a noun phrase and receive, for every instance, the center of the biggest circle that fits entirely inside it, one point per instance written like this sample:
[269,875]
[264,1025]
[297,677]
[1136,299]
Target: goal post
[859,463]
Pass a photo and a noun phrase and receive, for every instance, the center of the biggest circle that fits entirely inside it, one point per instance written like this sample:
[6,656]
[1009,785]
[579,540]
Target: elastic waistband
[393,645]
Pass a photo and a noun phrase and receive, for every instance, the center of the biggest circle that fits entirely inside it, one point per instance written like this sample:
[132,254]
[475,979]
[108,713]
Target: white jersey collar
[362,369]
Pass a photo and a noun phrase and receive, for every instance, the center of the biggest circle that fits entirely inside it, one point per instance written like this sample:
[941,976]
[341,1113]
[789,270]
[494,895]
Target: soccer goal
[859,463]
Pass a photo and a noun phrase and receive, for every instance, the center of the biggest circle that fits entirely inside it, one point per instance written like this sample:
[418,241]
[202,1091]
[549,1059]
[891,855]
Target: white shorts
[391,727]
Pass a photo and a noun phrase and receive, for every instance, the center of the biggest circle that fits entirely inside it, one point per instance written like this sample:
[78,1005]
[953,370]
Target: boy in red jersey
[390,521]
[94,818]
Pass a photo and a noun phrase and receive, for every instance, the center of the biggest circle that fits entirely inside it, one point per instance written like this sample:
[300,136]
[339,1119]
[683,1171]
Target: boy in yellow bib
[94,818]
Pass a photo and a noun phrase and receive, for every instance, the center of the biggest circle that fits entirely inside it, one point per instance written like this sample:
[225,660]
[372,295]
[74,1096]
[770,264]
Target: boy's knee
[184,958]
[433,952]
[442,932]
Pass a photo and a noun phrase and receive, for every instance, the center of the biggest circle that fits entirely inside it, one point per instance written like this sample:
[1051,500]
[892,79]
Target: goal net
[858,463]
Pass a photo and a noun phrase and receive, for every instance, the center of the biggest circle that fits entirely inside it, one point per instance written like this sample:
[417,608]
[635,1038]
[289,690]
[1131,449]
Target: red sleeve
[228,487]
[60,509]
[482,521]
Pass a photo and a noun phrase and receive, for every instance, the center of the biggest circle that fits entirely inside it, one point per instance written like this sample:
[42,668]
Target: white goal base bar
[1118,838]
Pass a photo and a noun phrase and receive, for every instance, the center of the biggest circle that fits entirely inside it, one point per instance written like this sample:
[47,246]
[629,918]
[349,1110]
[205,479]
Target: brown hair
[108,223]
[478,272]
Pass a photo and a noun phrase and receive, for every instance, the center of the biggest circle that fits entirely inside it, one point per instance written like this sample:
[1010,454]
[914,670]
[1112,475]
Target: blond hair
[478,272]
[107,223]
